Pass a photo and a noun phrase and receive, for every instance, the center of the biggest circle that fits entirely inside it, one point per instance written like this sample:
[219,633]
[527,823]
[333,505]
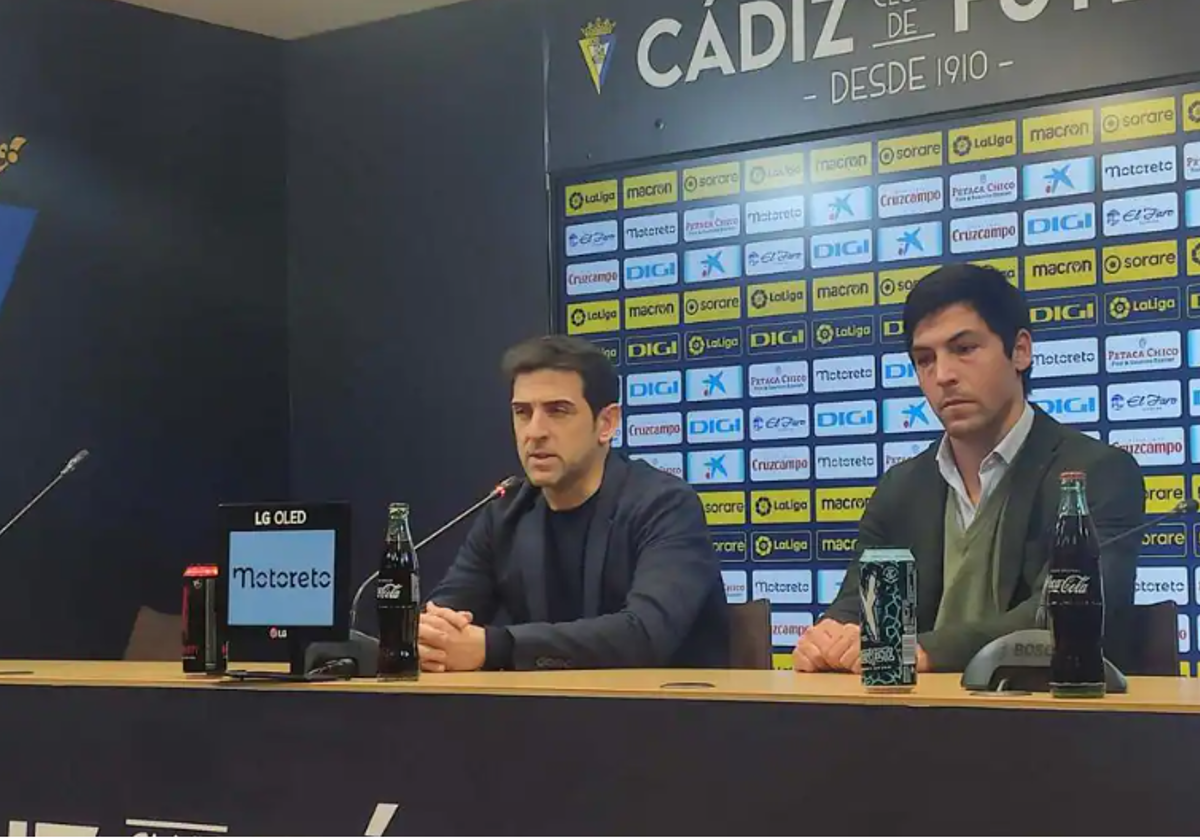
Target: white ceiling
[289,18]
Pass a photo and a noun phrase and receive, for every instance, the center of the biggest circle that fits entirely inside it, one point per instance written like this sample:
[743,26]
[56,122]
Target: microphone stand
[63,473]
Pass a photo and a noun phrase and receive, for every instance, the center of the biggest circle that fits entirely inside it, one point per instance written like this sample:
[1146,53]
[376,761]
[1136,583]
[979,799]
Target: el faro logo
[597,44]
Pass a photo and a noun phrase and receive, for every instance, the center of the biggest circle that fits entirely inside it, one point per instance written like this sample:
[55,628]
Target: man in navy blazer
[595,561]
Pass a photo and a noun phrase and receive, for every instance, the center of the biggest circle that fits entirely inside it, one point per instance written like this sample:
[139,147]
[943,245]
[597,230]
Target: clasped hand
[832,646]
[448,641]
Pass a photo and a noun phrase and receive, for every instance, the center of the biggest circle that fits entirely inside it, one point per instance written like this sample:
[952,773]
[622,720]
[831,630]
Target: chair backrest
[1155,637]
[750,635]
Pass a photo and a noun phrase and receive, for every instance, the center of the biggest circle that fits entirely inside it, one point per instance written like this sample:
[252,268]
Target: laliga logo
[763,506]
[1119,308]
[824,333]
[763,546]
[962,146]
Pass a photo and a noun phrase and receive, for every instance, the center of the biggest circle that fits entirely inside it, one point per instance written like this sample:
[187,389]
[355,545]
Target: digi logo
[650,349]
[1064,312]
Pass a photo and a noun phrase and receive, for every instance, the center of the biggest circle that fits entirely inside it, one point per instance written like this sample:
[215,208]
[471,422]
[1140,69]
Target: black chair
[1154,636]
[750,635]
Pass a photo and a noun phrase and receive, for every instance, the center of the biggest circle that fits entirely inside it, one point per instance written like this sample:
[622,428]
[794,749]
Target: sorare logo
[1068,223]
[907,415]
[859,417]
[910,242]
[1059,178]
[714,383]
[1069,405]
[779,422]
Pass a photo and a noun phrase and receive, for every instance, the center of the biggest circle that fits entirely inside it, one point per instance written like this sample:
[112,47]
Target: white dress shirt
[991,469]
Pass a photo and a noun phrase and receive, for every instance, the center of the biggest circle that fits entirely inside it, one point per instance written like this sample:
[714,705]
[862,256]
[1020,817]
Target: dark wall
[416,254]
[146,316]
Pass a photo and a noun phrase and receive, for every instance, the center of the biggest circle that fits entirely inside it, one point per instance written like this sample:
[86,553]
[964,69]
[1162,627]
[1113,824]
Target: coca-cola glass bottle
[1075,595]
[398,600]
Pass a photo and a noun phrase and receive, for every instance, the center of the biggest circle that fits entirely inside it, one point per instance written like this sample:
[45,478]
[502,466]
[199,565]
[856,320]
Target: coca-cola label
[1071,584]
[389,591]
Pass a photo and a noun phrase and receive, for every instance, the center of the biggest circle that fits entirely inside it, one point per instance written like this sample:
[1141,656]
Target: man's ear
[1023,351]
[607,422]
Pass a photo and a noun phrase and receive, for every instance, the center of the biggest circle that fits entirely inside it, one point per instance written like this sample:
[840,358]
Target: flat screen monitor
[285,577]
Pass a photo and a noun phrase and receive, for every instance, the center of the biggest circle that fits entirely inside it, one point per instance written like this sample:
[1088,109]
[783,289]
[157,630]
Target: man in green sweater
[977,510]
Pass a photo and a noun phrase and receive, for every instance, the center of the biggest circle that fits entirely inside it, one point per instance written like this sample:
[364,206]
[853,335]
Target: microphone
[1021,660]
[68,468]
[499,491]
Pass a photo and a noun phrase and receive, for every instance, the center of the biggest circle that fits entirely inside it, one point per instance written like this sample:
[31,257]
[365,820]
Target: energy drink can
[205,649]
[887,588]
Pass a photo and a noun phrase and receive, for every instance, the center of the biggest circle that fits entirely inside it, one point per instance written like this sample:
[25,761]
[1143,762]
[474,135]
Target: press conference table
[139,747]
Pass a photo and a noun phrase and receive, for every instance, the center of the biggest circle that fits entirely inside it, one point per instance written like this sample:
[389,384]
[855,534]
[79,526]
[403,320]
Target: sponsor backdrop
[673,76]
[752,304]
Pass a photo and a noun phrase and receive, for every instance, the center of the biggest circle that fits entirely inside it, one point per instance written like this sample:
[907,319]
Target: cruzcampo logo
[598,41]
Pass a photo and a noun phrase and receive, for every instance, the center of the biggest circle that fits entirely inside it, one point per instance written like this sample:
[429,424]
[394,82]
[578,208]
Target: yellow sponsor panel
[596,197]
[1185,668]
[1196,487]
[1008,266]
[839,162]
[725,508]
[780,507]
[1060,270]
[775,173]
[712,305]
[783,662]
[1052,132]
[847,291]
[712,181]
[1193,256]
[842,504]
[983,142]
[1191,112]
[896,283]
[787,298]
[917,151]
[594,317]
[891,328]
[650,190]
[1135,120]
[651,311]
[1163,492]
[1147,261]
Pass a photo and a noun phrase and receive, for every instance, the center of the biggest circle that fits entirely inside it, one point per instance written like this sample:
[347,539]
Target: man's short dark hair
[1000,304]
[562,352]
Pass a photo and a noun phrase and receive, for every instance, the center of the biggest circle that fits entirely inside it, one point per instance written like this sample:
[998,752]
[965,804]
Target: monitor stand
[296,650]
